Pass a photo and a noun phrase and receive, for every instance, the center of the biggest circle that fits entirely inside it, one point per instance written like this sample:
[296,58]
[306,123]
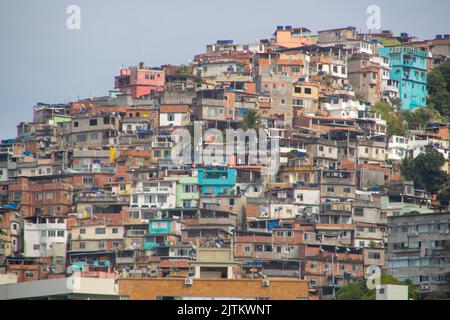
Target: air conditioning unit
[425,287]
[265,283]
[188,282]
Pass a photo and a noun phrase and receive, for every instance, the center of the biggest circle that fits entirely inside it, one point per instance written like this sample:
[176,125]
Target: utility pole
[332,273]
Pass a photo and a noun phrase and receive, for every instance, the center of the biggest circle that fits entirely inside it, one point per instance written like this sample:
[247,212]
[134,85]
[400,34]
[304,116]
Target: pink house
[140,81]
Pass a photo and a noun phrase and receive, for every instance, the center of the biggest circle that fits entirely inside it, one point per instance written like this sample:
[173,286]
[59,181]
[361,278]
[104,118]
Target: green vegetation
[393,118]
[252,120]
[1,231]
[444,195]
[359,290]
[425,170]
[184,69]
[439,89]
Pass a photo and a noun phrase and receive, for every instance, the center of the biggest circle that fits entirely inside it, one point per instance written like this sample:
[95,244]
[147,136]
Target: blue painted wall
[410,69]
[216,181]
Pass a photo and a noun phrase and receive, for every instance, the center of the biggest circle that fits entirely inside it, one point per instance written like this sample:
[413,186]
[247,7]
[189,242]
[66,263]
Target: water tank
[446,36]
[280,28]
[288,27]
[439,36]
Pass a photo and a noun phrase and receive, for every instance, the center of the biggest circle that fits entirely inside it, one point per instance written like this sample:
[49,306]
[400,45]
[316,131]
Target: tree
[391,116]
[425,170]
[439,89]
[395,102]
[444,196]
[422,115]
[359,291]
[184,70]
[252,120]
[1,231]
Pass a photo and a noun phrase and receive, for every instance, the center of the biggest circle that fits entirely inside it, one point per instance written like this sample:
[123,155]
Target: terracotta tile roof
[175,108]
[174,264]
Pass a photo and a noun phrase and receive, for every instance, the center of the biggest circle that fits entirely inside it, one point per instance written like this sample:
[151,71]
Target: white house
[397,148]
[156,194]
[46,237]
[176,115]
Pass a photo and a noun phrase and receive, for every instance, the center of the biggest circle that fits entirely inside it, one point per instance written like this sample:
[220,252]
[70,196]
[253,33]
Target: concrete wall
[150,289]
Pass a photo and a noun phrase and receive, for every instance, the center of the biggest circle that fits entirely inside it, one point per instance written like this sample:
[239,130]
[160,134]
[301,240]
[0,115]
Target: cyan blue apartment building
[217,181]
[409,66]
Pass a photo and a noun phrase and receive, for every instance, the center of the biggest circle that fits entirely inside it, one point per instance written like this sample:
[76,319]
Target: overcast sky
[43,61]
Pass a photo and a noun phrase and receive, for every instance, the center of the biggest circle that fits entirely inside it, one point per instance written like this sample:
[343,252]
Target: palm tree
[395,102]
[1,231]
[251,120]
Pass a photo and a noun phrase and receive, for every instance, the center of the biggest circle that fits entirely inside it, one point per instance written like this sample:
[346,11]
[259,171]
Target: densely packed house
[91,186]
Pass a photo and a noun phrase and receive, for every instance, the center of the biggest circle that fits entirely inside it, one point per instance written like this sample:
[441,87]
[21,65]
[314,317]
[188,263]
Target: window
[159,225]
[75,124]
[247,249]
[88,180]
[115,230]
[51,233]
[93,122]
[100,231]
[298,90]
[297,102]
[60,233]
[82,245]
[145,215]
[162,198]
[29,274]
[134,214]
[307,90]
[170,117]
[36,247]
[93,136]
[82,231]
[135,199]
[347,190]
[101,245]
[190,188]
[106,120]
[49,195]
[374,255]
[283,102]
[330,189]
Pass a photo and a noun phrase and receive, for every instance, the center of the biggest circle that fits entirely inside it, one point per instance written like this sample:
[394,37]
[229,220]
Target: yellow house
[305,96]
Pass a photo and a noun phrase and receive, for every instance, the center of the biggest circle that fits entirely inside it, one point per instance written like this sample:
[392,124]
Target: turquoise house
[161,232]
[409,66]
[217,181]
